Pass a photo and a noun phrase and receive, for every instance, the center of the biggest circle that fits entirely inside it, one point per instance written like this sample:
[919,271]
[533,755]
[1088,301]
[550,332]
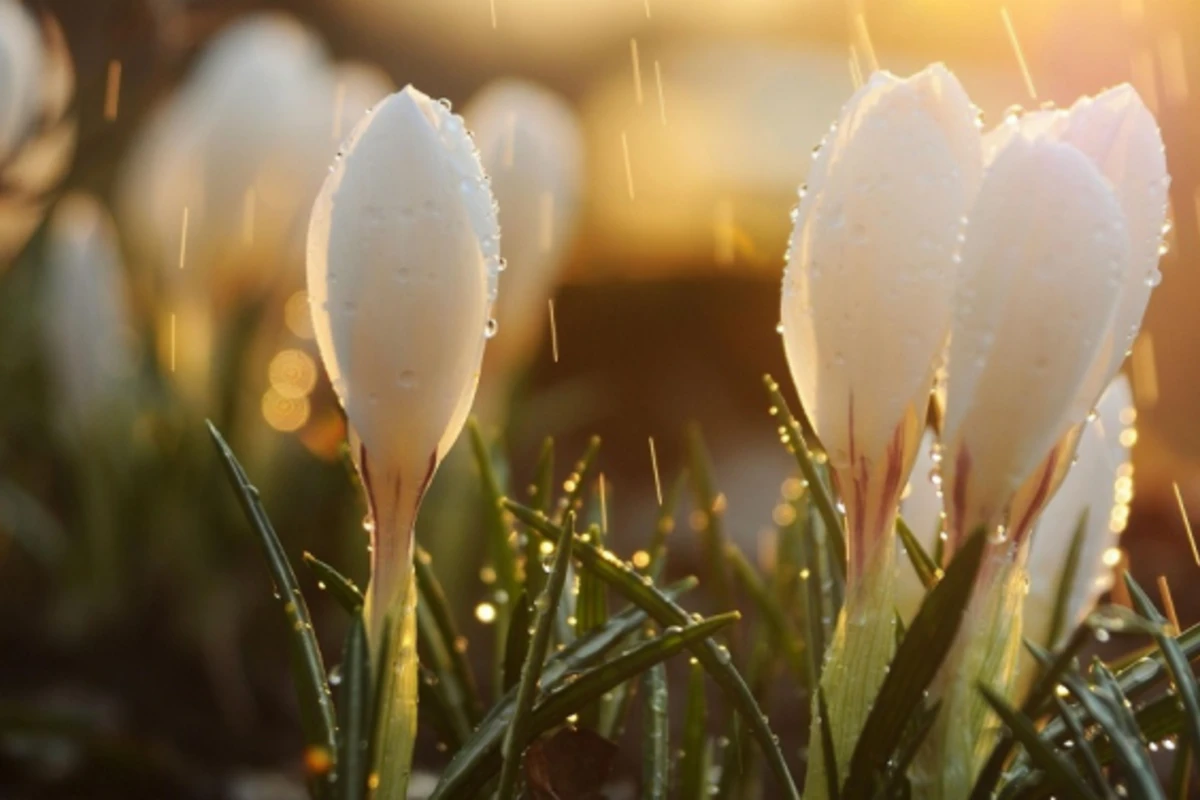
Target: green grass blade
[1041,692]
[457,779]
[543,497]
[354,714]
[898,771]
[397,679]
[916,663]
[716,660]
[663,527]
[792,434]
[812,606]
[924,565]
[1057,769]
[341,588]
[786,637]
[712,504]
[501,556]
[692,780]
[519,735]
[1083,746]
[1177,663]
[573,485]
[312,685]
[656,747]
[1066,582]
[433,597]
[435,657]
[1181,772]
[1109,712]
[833,787]
[517,646]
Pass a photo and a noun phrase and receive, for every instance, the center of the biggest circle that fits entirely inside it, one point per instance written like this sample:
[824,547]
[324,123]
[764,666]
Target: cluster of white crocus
[37,137]
[532,149]
[1023,259]
[88,338]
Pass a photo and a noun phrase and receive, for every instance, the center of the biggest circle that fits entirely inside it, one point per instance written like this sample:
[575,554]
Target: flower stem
[396,706]
[987,651]
[855,665]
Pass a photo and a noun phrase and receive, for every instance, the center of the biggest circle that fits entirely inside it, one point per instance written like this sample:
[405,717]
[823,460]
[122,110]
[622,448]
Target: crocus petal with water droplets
[1043,266]
[403,261]
[869,282]
[532,148]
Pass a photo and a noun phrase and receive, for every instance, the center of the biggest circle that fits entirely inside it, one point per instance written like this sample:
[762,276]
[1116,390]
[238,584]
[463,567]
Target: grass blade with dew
[1181,772]
[784,633]
[573,485]
[1178,665]
[317,714]
[812,606]
[1083,746]
[546,606]
[917,661]
[639,590]
[1041,752]
[433,597]
[517,645]
[711,504]
[354,696]
[792,434]
[927,570]
[576,657]
[541,499]
[1116,720]
[502,558]
[833,789]
[1042,691]
[909,746]
[1066,580]
[692,780]
[397,684]
[341,588]
[663,526]
[565,698]
[656,743]
[434,653]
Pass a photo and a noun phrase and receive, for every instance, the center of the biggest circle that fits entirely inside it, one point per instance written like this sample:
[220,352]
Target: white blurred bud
[88,337]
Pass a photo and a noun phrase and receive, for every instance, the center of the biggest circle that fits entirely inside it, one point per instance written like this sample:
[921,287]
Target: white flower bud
[403,264]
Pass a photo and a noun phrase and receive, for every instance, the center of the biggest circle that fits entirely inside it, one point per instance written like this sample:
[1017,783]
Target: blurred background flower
[207,127]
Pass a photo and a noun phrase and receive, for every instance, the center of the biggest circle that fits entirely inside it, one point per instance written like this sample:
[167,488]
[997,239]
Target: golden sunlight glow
[292,373]
[284,414]
[485,613]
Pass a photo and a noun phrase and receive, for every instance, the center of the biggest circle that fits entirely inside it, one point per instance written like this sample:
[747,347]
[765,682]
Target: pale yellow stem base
[986,651]
[856,663]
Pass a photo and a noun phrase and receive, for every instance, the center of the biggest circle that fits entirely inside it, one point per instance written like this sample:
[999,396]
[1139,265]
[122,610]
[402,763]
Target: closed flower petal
[1101,486]
[403,261]
[870,277]
[87,312]
[532,148]
[1043,267]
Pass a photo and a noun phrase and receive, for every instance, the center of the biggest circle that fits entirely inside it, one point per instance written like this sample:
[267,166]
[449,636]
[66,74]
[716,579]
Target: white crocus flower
[87,312]
[403,263]
[532,148]
[1118,133]
[865,311]
[37,138]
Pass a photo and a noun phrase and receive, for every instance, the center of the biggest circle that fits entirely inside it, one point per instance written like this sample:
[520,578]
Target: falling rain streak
[628,165]
[1164,592]
[637,72]
[546,221]
[654,466]
[183,235]
[603,505]
[864,35]
[553,331]
[172,340]
[662,103]
[112,91]
[1016,45]
[856,74]
[1187,524]
[493,3]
